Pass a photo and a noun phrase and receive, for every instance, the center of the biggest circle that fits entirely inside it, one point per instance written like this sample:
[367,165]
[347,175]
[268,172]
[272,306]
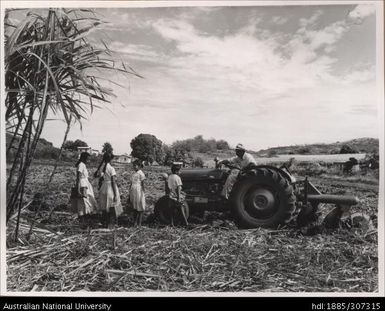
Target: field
[210,255]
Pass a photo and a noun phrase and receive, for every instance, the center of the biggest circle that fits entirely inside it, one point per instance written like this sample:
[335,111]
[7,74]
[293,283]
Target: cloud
[326,36]
[178,30]
[135,51]
[252,61]
[240,59]
[362,11]
[251,58]
[359,76]
[279,20]
[306,22]
[314,46]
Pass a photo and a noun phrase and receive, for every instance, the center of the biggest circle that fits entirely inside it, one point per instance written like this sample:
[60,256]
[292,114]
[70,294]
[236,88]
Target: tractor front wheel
[264,198]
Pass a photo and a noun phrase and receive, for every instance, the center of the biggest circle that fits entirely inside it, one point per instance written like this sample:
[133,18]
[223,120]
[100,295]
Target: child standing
[137,196]
[83,199]
[175,193]
[97,173]
[109,197]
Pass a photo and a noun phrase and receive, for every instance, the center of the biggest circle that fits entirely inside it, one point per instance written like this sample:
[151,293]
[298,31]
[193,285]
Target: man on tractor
[239,162]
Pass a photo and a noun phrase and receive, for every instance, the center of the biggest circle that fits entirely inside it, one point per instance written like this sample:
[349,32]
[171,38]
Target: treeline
[146,147]
[150,149]
[201,145]
[46,150]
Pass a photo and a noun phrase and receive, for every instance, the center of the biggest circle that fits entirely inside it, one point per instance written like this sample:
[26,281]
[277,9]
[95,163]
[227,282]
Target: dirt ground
[212,254]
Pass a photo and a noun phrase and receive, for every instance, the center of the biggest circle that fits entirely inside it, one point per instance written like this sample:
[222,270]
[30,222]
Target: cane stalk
[50,67]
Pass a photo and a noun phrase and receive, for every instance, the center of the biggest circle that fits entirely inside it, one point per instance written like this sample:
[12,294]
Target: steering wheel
[229,165]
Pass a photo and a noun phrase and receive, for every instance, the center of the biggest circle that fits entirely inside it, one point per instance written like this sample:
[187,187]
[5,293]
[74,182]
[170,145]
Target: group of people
[108,204]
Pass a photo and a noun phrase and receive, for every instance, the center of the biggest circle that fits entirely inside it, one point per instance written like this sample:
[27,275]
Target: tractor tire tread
[285,214]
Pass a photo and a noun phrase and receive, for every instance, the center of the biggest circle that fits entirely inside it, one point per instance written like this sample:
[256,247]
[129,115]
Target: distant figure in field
[137,193]
[348,165]
[82,196]
[109,197]
[373,162]
[288,164]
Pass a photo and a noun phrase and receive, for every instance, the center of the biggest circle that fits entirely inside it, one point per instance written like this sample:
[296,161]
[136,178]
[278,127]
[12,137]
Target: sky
[262,76]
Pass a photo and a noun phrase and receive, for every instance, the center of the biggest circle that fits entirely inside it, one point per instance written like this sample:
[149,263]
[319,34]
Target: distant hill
[41,143]
[44,148]
[359,145]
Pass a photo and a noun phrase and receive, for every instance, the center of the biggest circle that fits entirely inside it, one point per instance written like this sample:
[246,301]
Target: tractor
[262,196]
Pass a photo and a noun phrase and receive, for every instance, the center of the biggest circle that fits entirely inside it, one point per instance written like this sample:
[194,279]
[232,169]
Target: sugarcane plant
[51,68]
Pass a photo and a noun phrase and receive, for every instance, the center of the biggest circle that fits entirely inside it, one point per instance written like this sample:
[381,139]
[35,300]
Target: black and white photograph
[195,148]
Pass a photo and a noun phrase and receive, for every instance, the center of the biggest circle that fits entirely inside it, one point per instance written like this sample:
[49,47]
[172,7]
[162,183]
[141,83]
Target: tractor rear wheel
[264,198]
[163,211]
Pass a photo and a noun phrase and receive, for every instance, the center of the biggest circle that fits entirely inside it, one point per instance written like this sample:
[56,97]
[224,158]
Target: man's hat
[240,147]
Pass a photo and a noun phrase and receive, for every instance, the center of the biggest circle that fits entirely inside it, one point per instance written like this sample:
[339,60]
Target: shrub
[198,162]
[46,152]
[303,150]
[346,149]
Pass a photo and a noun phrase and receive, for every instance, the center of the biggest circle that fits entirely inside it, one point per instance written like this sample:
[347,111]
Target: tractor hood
[202,174]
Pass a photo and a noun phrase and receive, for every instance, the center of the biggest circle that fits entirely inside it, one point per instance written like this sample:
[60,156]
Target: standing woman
[97,173]
[137,196]
[84,199]
[109,197]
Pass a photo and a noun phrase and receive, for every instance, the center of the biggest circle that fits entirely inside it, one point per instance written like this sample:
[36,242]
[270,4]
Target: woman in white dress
[83,199]
[137,196]
[109,197]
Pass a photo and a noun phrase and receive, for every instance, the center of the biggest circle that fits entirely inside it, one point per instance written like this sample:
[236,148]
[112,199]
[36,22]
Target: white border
[2,163]
[380,102]
[106,4]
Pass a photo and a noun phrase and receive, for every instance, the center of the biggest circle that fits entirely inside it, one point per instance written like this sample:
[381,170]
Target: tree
[198,162]
[147,147]
[68,145]
[73,145]
[303,150]
[168,156]
[272,153]
[46,152]
[222,145]
[79,143]
[346,149]
[107,147]
[199,144]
